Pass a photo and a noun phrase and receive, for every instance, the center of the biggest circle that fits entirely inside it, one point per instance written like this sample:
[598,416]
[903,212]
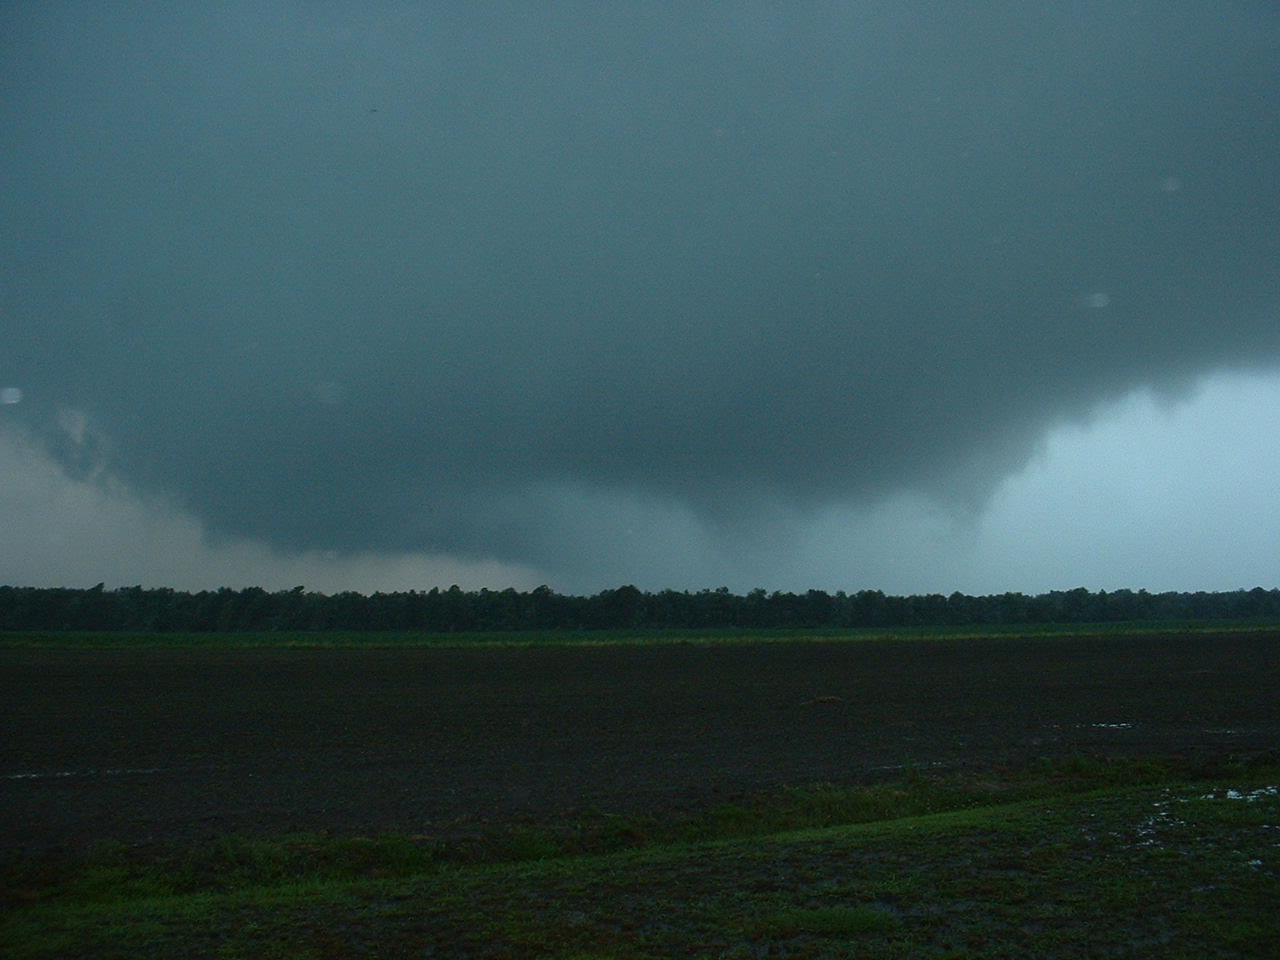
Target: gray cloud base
[509,280]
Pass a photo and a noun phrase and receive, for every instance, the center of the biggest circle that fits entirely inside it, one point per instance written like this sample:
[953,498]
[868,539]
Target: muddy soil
[173,745]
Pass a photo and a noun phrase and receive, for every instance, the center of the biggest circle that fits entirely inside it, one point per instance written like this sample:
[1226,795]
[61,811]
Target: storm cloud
[551,284]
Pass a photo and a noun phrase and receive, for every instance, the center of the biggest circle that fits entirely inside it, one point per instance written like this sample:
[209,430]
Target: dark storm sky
[527,282]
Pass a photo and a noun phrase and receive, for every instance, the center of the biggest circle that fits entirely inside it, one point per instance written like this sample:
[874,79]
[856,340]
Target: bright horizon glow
[1155,495]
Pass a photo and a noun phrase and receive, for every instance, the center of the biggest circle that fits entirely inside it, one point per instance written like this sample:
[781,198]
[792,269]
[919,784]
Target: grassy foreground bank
[1070,859]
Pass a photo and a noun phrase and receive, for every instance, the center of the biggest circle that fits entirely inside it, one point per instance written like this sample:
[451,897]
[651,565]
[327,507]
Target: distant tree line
[456,610]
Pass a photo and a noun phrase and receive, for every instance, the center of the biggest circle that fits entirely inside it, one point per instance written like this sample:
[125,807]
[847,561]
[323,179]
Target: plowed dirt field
[172,745]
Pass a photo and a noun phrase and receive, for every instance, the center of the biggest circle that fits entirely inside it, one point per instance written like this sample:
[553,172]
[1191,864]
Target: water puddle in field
[110,772]
[1151,831]
[1099,725]
[1250,797]
[1149,828]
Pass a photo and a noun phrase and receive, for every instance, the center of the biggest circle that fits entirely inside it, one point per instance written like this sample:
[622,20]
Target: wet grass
[1076,858]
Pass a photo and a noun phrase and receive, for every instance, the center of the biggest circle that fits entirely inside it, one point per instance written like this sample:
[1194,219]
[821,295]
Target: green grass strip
[1171,868]
[340,639]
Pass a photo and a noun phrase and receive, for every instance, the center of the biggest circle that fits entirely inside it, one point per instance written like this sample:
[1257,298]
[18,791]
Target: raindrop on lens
[10,395]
